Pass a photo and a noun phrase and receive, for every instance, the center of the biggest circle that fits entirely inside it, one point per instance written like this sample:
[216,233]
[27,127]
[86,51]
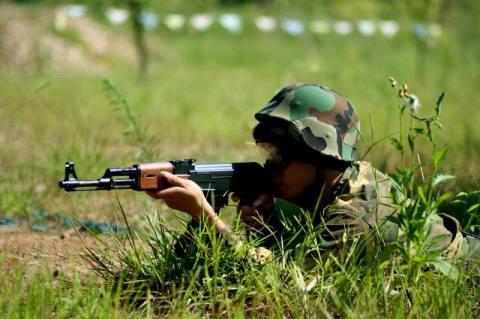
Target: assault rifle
[217,180]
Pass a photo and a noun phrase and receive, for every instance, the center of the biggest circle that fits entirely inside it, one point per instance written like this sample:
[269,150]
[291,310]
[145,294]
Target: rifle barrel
[102,183]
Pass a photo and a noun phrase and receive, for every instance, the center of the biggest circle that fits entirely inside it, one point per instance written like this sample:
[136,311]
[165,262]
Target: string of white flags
[234,23]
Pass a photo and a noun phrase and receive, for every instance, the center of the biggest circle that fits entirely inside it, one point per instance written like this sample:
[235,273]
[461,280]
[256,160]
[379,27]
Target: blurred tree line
[460,12]
[415,9]
[459,15]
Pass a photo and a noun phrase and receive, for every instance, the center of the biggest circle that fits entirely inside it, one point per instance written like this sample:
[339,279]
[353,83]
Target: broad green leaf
[445,267]
[472,208]
[442,178]
[439,156]
[443,197]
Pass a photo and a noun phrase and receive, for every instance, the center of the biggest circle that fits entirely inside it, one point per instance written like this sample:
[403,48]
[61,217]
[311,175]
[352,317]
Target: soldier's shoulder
[366,196]
[363,178]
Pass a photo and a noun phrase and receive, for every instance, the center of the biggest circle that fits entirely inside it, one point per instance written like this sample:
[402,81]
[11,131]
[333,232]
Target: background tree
[136,7]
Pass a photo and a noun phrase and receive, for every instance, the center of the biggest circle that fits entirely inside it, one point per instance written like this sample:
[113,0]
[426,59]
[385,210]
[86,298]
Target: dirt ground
[58,253]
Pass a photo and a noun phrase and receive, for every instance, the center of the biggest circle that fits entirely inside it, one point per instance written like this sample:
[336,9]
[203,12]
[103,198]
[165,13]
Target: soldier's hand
[254,209]
[183,195]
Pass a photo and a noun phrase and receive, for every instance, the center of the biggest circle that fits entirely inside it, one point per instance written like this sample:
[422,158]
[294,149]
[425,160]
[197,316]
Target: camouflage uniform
[327,123]
[361,206]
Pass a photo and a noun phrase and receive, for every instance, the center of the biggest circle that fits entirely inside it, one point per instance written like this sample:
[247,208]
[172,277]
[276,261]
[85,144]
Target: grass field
[197,101]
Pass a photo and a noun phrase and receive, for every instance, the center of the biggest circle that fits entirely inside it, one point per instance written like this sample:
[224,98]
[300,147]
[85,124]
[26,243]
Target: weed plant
[198,273]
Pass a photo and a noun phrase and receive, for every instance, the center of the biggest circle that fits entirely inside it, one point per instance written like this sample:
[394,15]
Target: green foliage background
[202,89]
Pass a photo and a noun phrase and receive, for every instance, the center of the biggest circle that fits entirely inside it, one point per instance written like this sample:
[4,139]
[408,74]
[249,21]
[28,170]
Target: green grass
[201,273]
[43,295]
[206,276]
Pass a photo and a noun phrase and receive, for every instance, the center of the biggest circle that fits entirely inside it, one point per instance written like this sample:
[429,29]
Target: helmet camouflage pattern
[326,121]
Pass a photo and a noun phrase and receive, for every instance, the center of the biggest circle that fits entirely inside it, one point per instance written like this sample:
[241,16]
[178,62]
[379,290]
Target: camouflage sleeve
[363,209]
[446,234]
[338,226]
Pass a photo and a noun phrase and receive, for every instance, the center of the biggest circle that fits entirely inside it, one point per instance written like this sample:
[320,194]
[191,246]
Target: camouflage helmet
[325,120]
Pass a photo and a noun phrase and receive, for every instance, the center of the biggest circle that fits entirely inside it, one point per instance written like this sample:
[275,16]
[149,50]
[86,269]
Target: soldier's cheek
[286,192]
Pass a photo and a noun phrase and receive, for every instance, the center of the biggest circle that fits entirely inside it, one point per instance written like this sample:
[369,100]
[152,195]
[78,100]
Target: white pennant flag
[343,27]
[231,22]
[116,16]
[366,27]
[149,20]
[293,27]
[420,30]
[389,28]
[174,21]
[320,26]
[201,22]
[76,10]
[266,23]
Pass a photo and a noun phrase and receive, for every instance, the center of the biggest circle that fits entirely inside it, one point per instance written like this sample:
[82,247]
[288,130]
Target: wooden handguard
[150,175]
